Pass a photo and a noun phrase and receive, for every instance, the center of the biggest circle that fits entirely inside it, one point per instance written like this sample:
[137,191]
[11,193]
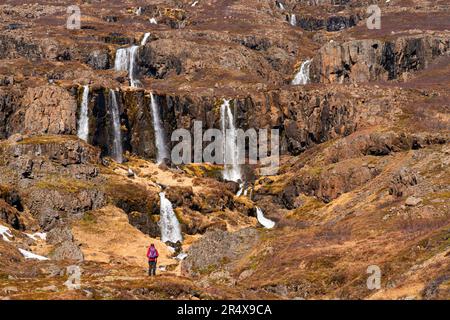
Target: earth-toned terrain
[364,173]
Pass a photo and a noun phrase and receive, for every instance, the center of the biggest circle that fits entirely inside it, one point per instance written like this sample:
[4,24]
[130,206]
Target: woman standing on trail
[152,255]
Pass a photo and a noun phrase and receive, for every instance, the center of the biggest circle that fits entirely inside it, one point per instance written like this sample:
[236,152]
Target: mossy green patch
[65,184]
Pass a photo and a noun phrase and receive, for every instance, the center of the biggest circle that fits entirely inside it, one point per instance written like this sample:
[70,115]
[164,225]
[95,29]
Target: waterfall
[267,223]
[241,189]
[83,121]
[117,142]
[168,223]
[144,39]
[302,76]
[231,170]
[293,20]
[126,61]
[160,141]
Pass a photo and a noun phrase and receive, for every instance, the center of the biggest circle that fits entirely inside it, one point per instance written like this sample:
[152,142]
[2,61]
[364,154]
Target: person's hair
[152,245]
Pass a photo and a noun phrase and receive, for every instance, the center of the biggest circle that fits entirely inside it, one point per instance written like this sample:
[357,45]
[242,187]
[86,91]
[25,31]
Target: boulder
[413,201]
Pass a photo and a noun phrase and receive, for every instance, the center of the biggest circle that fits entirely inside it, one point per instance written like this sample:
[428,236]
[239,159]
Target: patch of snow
[267,223]
[181,256]
[36,235]
[6,233]
[31,255]
[194,4]
[153,21]
[162,268]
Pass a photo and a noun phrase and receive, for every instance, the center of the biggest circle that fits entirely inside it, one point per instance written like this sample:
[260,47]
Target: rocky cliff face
[364,149]
[372,60]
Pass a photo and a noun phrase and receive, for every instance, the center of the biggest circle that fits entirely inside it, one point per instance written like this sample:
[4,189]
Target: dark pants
[152,268]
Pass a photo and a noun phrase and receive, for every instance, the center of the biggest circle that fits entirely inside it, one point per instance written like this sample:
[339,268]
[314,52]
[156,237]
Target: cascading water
[145,38]
[293,20]
[302,76]
[126,61]
[117,152]
[231,170]
[168,223]
[160,140]
[83,121]
[267,223]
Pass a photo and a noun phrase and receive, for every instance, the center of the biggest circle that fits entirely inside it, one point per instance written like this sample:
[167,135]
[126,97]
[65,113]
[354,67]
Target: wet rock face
[334,23]
[371,60]
[99,60]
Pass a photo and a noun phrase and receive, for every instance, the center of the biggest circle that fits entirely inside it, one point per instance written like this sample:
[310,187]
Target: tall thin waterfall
[145,38]
[267,223]
[160,140]
[126,60]
[117,152]
[83,121]
[302,76]
[293,20]
[231,170]
[168,223]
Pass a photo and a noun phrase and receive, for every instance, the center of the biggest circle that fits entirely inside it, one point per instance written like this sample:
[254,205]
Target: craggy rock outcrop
[65,247]
[379,144]
[10,103]
[62,150]
[371,60]
[402,181]
[11,215]
[304,117]
[334,23]
[53,174]
[50,110]
[217,248]
[51,205]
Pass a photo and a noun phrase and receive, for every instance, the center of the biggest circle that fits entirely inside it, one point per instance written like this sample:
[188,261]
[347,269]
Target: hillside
[88,177]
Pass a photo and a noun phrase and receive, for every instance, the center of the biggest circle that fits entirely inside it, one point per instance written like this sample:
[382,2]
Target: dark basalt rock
[99,60]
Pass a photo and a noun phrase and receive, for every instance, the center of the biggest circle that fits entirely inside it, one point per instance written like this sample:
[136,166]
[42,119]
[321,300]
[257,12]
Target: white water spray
[145,38]
[168,223]
[117,152]
[231,170]
[83,121]
[126,61]
[280,5]
[160,140]
[302,76]
[293,20]
[267,223]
